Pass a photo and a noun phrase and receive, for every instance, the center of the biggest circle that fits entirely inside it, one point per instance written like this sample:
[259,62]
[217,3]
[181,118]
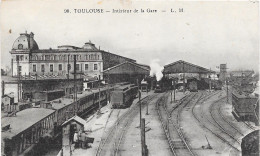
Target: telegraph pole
[99,105]
[75,86]
[210,79]
[227,89]
[18,74]
[183,78]
[139,96]
[147,102]
[174,90]
[68,68]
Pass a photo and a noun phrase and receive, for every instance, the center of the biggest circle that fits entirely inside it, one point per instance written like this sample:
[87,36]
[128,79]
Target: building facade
[28,59]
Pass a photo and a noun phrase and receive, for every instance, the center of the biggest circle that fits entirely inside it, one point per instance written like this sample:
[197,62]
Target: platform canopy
[184,67]
[128,68]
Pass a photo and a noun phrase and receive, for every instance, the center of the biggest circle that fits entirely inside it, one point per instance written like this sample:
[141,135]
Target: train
[193,86]
[46,120]
[123,96]
[163,85]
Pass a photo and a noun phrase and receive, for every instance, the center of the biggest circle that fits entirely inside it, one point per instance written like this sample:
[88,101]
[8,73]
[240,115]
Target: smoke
[156,69]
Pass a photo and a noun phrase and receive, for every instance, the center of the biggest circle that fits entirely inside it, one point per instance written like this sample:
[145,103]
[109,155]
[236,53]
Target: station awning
[184,67]
[127,68]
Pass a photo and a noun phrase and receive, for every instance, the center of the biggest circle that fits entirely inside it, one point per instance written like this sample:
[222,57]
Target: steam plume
[156,69]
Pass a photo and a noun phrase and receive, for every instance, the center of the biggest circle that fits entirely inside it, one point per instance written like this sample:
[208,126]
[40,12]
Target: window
[86,66]
[42,68]
[20,69]
[20,46]
[60,67]
[55,57]
[47,57]
[21,57]
[77,66]
[69,67]
[95,67]
[86,57]
[34,68]
[51,67]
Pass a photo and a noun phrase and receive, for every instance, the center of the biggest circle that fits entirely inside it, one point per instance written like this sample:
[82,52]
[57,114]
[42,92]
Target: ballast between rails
[112,129]
[169,120]
[203,125]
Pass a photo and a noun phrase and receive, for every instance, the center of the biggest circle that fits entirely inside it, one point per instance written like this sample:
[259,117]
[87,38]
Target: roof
[10,95]
[77,119]
[25,42]
[48,77]
[127,68]
[89,46]
[68,47]
[67,101]
[241,73]
[23,120]
[184,67]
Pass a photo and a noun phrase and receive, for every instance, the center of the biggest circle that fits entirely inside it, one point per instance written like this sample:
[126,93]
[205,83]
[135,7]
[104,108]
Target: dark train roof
[250,144]
[23,120]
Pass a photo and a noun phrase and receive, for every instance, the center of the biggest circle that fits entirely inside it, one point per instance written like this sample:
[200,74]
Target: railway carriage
[123,96]
[62,109]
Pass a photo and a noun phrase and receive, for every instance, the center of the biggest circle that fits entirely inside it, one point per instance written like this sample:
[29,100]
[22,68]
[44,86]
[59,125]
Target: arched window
[86,57]
[20,46]
[35,57]
[55,57]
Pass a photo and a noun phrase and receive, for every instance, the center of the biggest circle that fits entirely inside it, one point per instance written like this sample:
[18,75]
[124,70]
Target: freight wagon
[244,106]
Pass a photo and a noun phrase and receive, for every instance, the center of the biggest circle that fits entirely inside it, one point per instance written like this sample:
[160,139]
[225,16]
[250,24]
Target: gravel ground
[197,138]
[155,138]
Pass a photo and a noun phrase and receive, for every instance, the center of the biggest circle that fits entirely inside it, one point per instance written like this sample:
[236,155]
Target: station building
[28,59]
[56,66]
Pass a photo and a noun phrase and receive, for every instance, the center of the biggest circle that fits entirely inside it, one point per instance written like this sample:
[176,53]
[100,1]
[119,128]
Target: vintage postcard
[128,78]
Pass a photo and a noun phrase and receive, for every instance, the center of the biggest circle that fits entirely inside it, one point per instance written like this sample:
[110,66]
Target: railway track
[115,134]
[214,116]
[249,126]
[226,120]
[201,99]
[172,130]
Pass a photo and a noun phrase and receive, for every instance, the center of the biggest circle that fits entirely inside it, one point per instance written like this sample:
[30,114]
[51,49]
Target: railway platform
[99,124]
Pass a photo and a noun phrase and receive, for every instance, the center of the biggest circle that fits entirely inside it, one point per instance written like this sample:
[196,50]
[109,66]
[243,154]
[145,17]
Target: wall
[31,86]
[55,59]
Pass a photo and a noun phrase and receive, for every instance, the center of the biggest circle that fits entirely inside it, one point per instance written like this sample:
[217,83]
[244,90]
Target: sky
[206,33]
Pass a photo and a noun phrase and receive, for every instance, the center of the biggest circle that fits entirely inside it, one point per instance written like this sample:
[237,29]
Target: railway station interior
[87,100]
